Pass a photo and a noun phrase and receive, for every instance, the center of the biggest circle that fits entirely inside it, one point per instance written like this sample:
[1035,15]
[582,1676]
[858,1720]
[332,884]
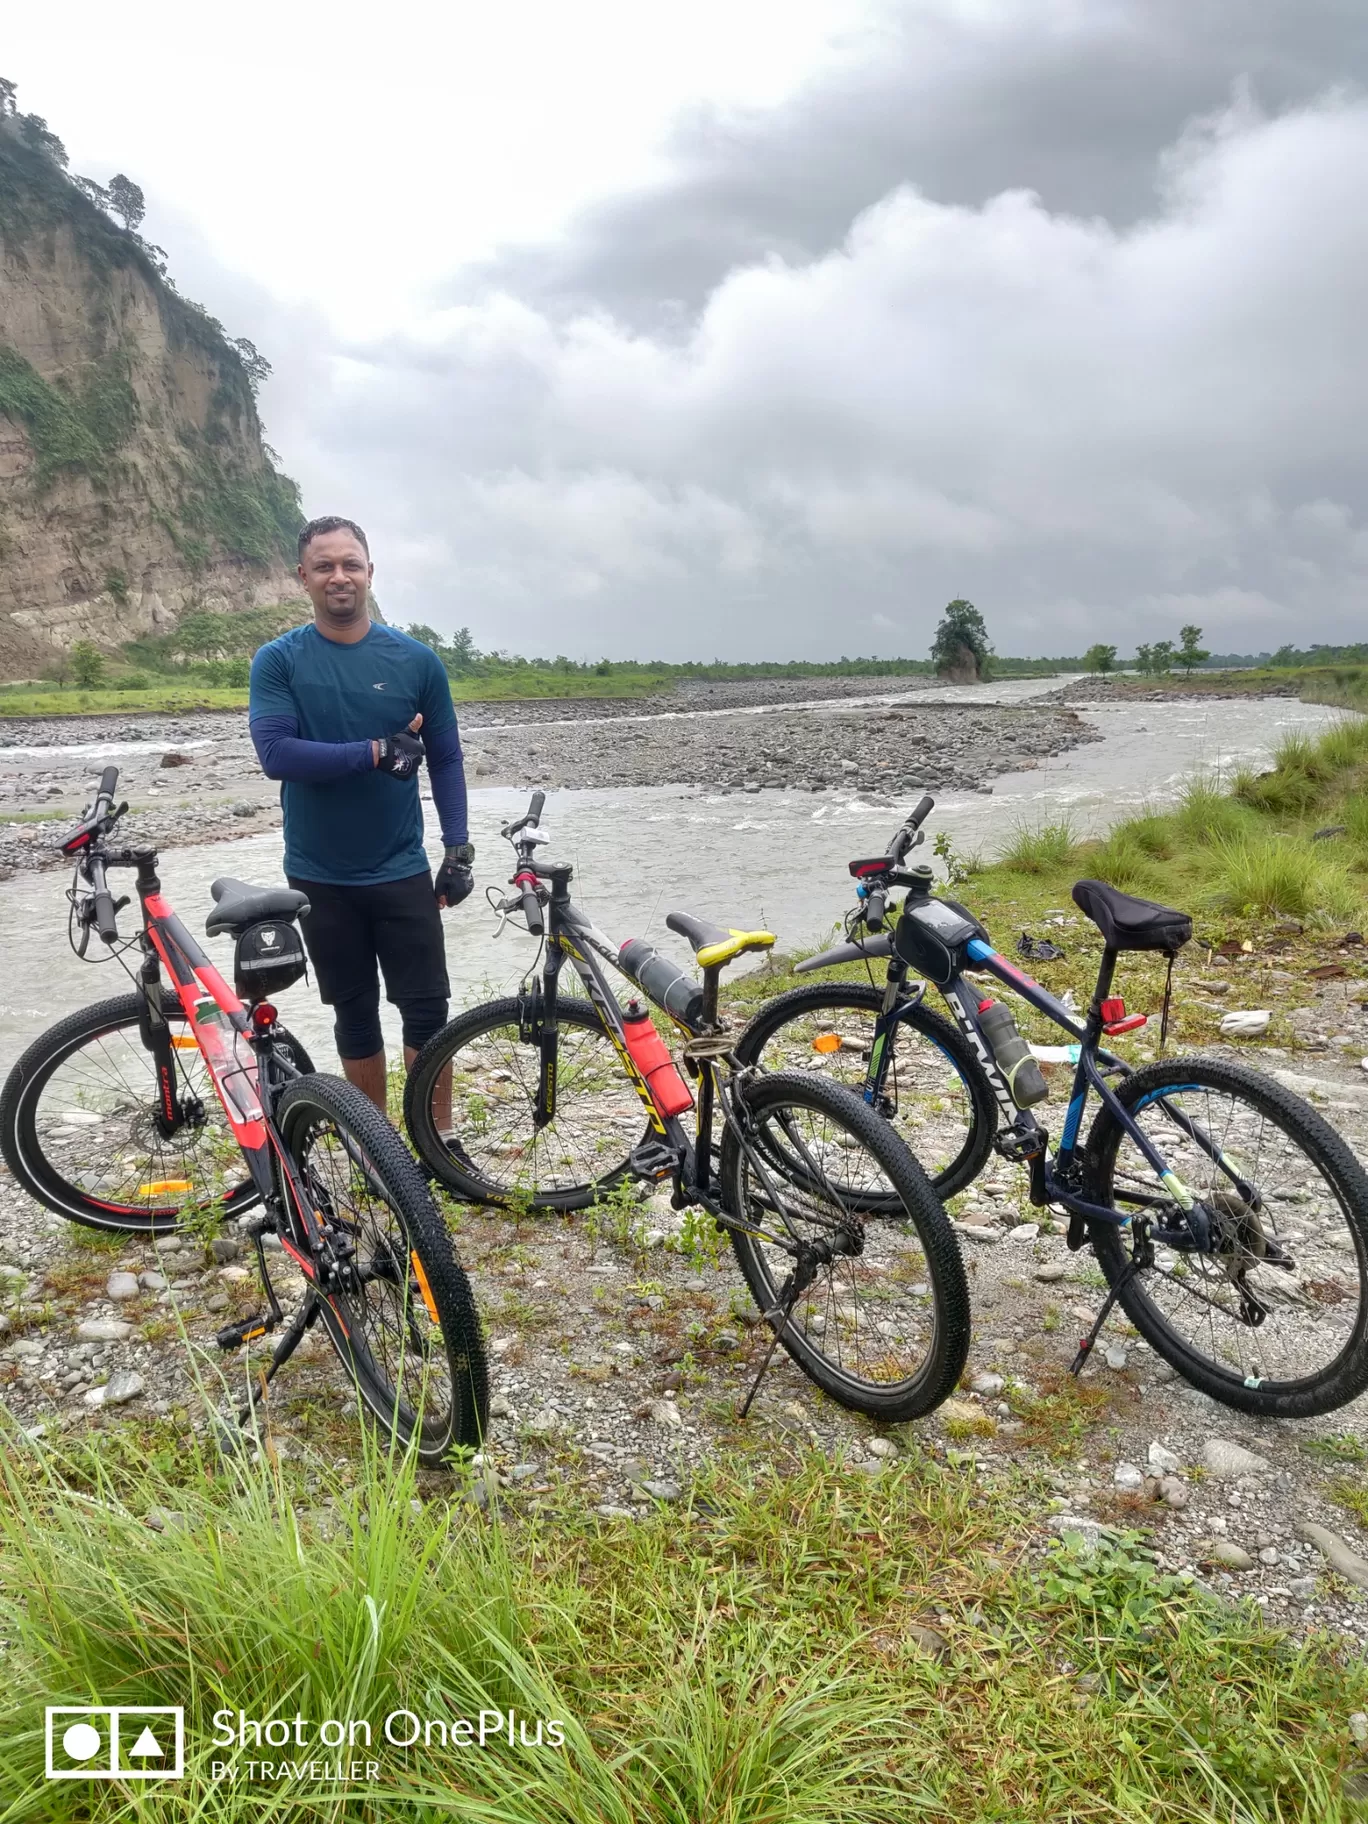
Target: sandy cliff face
[133,480]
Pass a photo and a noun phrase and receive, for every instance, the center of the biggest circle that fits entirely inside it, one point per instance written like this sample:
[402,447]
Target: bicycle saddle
[241,904]
[711,944]
[1131,924]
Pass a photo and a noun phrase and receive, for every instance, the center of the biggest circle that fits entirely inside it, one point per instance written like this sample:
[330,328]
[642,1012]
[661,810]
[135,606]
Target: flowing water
[777,859]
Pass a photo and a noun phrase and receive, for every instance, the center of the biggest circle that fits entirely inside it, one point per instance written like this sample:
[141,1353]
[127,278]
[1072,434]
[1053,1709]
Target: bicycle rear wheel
[1298,1346]
[401,1313]
[884,1327]
[78,1124]
[936,1095]
[492,1149]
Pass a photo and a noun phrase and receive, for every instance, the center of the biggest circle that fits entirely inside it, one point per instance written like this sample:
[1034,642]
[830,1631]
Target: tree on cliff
[126,200]
[961,649]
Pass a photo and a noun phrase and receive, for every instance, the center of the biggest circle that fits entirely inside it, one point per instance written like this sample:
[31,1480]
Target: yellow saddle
[714,946]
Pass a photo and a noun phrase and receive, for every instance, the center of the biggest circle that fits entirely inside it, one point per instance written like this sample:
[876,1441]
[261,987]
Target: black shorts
[396,924]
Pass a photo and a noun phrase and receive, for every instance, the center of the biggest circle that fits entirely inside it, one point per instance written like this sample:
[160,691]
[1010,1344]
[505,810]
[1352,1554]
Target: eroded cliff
[134,483]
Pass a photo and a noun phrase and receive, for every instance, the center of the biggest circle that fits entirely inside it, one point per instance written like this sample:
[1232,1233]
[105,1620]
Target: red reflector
[1113,1009]
[264,1015]
[1132,1024]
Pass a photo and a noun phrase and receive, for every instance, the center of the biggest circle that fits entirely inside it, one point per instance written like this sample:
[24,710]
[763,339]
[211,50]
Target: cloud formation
[1040,332]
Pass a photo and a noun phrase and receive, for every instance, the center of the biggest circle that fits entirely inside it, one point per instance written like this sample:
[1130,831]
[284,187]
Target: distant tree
[1191,655]
[429,636]
[127,201]
[254,364]
[1144,659]
[34,129]
[461,653]
[1163,657]
[1284,656]
[59,669]
[1099,658]
[961,643]
[87,664]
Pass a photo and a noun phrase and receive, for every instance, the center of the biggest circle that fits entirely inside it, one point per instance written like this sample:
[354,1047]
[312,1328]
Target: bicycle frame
[1054,1178]
[571,935]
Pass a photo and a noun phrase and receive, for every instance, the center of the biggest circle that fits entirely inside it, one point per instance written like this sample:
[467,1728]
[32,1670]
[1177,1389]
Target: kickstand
[786,1305]
[1086,1344]
[284,1349]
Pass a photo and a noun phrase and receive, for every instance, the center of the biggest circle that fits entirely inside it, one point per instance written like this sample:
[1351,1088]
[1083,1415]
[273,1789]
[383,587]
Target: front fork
[537,1026]
[155,1032]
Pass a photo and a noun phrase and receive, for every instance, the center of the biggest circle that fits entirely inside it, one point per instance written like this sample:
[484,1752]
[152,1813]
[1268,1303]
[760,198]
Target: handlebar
[526,883]
[874,909]
[903,841]
[534,810]
[105,922]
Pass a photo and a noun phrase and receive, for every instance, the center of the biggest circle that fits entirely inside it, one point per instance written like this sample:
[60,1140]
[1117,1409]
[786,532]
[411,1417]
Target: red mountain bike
[180,1101]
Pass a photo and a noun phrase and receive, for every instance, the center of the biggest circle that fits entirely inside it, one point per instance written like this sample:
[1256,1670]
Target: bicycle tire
[937,1308]
[468,1163]
[951,1174]
[27,1142]
[1149,1302]
[434,1282]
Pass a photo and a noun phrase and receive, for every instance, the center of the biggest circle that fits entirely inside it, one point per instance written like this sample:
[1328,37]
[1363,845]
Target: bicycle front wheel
[470,1106]
[1275,1319]
[882,1324]
[936,1096]
[79,1124]
[400,1311]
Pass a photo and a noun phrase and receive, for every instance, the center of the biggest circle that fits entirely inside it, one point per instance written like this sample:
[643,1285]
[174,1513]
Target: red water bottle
[670,1093]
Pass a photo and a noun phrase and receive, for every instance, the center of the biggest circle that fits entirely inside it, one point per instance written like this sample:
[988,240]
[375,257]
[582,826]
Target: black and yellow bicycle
[536,1101]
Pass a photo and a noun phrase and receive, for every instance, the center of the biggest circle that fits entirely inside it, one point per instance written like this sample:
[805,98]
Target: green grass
[1040,848]
[759,1657]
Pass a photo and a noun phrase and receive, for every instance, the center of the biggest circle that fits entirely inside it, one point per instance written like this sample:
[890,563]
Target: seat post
[1106,970]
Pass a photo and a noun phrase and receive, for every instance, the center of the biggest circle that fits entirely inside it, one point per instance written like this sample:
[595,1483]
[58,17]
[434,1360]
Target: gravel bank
[195,778]
[619,1360]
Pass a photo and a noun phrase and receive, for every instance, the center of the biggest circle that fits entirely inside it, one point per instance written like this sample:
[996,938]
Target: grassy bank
[797,1645]
[176,697]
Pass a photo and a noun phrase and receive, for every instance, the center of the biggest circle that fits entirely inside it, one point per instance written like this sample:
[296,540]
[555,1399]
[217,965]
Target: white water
[777,859]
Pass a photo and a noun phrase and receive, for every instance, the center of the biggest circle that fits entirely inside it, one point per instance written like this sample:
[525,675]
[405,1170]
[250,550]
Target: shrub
[1254,874]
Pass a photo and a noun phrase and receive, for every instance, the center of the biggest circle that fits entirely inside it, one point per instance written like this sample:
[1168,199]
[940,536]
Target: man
[336,710]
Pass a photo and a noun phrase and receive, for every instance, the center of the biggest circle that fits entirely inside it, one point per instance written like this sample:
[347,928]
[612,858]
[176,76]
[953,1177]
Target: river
[777,859]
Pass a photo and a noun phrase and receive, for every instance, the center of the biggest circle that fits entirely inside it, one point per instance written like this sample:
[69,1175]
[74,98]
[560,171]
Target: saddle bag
[269,956]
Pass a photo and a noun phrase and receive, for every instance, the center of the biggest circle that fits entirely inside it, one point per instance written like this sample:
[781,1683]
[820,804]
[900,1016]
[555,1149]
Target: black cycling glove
[455,880]
[400,754]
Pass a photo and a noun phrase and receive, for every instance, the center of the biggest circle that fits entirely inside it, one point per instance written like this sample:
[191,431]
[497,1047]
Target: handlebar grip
[874,910]
[532,911]
[535,808]
[109,778]
[104,916]
[922,812]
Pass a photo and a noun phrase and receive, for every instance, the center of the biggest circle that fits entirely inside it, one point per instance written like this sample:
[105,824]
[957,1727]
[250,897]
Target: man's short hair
[330,522]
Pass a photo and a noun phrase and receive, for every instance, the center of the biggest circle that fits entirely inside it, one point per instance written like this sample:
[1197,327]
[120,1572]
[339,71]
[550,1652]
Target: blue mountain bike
[1229,1218]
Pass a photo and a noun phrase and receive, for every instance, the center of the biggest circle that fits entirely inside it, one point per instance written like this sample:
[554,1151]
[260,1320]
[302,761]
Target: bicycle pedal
[233,1336]
[652,1160]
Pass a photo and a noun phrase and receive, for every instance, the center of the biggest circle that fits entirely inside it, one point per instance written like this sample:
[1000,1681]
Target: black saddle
[241,904]
[1131,924]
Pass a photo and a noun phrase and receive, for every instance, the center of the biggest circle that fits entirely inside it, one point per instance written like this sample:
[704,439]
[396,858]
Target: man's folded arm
[283,755]
[446,769]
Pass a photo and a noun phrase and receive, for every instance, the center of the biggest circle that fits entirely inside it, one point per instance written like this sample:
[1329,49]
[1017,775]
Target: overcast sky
[755,328]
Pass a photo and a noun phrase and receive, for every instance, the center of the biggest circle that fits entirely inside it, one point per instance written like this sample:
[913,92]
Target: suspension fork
[542,1031]
[881,1051]
[155,1033]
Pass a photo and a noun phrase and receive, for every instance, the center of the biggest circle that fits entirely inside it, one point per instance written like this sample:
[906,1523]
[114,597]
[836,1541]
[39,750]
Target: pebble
[1024,1231]
[882,1447]
[104,1330]
[1174,1493]
[120,1286]
[927,1639]
[500,1407]
[225,1248]
[152,1282]
[1269,1555]
[976,1231]
[1128,1475]
[663,1491]
[1162,1460]
[1229,1461]
[987,1384]
[666,1413]
[1226,1552]
[1358,1727]
[1089,1531]
[1116,1357]
[219,1302]
[1052,1274]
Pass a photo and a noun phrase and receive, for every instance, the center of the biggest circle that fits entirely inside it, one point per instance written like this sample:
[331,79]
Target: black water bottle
[1024,1077]
[666,983]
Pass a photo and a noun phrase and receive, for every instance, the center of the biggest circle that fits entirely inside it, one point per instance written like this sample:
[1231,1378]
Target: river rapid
[775,858]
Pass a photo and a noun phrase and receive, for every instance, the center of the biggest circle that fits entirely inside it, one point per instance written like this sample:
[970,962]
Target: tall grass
[1272,874]
[1038,848]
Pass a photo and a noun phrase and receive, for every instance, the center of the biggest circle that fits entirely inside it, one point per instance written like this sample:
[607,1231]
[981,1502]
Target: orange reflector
[425,1288]
[165,1187]
[829,1041]
[182,1041]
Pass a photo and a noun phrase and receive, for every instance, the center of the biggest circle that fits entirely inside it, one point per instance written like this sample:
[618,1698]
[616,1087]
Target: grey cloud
[1073,101]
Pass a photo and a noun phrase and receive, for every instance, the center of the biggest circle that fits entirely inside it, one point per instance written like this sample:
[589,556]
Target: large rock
[1228,1462]
[104,1330]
